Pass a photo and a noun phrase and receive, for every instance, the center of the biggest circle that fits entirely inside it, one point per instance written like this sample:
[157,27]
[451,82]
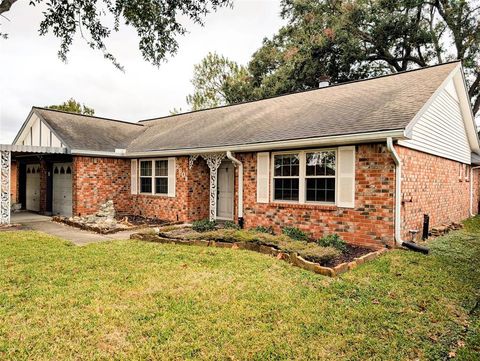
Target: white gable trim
[27,127]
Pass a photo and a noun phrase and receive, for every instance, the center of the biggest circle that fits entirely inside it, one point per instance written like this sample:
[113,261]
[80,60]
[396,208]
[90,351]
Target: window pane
[320,190]
[146,169]
[161,185]
[320,163]
[286,189]
[145,185]
[161,168]
[286,165]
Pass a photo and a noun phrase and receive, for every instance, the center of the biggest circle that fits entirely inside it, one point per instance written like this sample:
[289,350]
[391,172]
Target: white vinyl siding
[441,130]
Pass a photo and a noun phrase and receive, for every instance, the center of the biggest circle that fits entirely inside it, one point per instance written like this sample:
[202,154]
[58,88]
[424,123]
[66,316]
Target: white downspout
[236,162]
[398,191]
[471,189]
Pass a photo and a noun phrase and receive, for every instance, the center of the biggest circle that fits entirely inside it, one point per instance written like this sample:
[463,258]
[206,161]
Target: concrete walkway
[36,222]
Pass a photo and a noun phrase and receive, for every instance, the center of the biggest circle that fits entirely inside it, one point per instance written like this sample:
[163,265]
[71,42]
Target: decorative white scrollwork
[5,157]
[213,161]
[191,160]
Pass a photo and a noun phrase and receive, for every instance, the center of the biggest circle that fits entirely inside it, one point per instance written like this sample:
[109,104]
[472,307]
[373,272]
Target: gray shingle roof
[90,133]
[384,103]
[378,104]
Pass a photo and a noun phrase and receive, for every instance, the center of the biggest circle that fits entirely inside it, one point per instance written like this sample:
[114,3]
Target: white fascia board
[426,106]
[96,153]
[466,109]
[280,145]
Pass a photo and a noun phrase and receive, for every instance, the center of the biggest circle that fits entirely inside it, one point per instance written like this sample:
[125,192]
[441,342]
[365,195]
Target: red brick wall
[476,190]
[43,186]
[370,223]
[97,180]
[431,185]
[191,201]
[14,182]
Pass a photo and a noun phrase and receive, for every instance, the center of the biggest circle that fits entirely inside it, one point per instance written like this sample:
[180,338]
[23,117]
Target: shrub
[262,229]
[230,225]
[204,225]
[295,233]
[333,240]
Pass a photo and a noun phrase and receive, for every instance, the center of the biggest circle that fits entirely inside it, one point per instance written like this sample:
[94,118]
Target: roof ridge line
[301,91]
[86,115]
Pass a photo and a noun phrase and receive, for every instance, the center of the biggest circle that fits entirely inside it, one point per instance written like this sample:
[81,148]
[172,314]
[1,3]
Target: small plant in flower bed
[333,240]
[230,225]
[308,250]
[204,225]
[295,233]
[263,229]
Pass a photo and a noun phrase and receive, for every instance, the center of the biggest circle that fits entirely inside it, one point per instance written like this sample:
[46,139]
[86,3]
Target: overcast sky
[31,74]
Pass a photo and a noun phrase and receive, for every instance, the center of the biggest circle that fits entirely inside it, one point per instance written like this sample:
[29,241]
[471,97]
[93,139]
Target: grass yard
[135,300]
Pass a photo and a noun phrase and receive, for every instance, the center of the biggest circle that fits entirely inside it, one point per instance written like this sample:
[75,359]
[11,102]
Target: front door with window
[225,192]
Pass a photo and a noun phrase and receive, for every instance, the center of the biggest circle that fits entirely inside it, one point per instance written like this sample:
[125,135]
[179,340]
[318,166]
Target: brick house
[364,159]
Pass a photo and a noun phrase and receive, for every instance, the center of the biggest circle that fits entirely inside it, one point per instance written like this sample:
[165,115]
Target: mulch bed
[124,223]
[141,221]
[348,256]
[352,258]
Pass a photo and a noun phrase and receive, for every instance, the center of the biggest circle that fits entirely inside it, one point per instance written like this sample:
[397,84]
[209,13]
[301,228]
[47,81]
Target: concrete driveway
[36,222]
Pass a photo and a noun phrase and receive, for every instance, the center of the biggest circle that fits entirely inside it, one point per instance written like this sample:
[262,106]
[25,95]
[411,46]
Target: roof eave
[336,140]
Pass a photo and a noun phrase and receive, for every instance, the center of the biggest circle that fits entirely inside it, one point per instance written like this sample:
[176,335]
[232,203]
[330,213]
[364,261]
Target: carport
[35,178]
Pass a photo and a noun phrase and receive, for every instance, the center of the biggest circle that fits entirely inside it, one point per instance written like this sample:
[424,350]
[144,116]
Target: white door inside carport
[62,189]
[33,188]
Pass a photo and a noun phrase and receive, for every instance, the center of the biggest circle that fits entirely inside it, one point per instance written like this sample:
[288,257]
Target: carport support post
[5,165]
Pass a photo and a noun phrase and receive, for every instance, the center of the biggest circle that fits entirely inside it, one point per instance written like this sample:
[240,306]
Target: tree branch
[5,5]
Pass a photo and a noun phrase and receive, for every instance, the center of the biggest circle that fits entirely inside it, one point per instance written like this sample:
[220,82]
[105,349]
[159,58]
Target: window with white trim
[305,176]
[320,177]
[154,176]
[286,177]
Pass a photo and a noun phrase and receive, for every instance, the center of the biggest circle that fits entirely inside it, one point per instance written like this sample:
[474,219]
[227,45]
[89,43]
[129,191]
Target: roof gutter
[277,145]
[398,202]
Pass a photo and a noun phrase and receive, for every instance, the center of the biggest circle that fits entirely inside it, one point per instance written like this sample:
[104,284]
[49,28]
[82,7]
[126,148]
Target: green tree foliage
[348,40]
[71,105]
[156,22]
[218,81]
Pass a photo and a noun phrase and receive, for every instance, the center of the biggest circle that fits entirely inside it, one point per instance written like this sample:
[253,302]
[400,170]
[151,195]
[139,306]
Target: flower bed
[105,225]
[327,261]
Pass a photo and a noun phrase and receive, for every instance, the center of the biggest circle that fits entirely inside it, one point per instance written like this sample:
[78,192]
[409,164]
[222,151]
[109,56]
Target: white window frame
[302,189]
[152,177]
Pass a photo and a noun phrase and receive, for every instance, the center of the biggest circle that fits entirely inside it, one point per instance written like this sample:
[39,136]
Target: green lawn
[134,300]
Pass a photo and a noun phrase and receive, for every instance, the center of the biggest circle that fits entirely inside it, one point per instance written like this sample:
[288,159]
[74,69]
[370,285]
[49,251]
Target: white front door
[33,188]
[62,189]
[225,191]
